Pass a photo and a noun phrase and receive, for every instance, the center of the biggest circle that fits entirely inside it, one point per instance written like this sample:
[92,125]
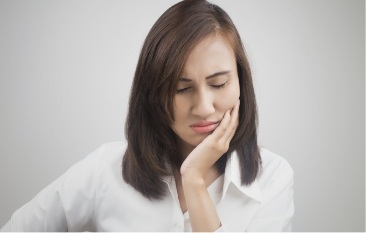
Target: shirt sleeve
[67,204]
[277,209]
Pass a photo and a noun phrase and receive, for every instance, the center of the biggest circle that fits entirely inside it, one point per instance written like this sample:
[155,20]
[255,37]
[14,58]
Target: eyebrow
[184,79]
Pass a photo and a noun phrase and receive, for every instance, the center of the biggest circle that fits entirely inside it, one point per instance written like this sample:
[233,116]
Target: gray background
[66,69]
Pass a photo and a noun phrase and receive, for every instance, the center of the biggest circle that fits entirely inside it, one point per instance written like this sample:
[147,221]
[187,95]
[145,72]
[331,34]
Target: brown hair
[152,145]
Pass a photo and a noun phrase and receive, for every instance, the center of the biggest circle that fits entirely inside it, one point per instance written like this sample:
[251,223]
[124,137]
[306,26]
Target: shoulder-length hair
[152,145]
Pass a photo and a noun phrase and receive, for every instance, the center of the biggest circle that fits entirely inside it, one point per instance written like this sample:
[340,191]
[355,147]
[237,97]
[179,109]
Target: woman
[191,161]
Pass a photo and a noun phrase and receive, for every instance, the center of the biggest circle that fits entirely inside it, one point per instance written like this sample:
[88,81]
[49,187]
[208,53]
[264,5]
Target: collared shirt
[92,196]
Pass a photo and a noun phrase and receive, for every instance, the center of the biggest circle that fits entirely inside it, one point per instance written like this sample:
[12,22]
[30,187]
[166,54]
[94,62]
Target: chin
[195,141]
[190,140]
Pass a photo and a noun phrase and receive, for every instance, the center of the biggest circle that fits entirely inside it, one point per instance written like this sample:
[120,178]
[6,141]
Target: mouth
[204,126]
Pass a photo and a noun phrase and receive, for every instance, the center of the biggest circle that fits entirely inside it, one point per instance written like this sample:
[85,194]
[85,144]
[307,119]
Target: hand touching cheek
[213,146]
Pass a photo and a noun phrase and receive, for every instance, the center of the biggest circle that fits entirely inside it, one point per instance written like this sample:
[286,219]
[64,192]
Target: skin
[208,90]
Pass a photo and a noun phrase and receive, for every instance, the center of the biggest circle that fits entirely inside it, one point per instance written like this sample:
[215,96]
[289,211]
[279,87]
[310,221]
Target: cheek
[179,110]
[229,97]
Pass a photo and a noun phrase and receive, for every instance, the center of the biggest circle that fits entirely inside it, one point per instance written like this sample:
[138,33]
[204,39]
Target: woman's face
[209,86]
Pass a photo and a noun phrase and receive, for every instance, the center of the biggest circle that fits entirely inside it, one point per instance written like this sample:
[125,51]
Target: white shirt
[92,196]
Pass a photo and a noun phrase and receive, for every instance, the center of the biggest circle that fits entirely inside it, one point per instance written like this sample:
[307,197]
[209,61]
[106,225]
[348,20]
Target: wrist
[192,178]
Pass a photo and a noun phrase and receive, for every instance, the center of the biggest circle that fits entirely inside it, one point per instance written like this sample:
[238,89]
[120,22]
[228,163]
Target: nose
[203,105]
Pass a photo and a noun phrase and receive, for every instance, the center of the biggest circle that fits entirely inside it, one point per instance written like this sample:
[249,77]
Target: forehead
[211,54]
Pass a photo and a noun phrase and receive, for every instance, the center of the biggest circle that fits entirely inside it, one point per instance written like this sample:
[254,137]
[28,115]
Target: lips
[204,126]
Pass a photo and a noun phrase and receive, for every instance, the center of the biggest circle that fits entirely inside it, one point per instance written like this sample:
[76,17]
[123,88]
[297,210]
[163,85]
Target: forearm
[201,209]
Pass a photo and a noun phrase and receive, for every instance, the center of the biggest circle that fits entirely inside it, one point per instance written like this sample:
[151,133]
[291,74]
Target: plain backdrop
[66,69]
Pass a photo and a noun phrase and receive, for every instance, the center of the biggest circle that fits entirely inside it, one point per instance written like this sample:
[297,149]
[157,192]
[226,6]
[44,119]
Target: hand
[213,146]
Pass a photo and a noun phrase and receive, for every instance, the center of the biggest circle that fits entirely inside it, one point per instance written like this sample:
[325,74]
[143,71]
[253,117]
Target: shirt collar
[233,175]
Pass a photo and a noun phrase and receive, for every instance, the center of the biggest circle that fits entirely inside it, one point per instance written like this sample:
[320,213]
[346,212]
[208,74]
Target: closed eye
[183,90]
[219,86]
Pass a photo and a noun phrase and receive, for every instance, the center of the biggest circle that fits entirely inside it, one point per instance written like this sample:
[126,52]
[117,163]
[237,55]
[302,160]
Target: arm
[202,211]
[64,205]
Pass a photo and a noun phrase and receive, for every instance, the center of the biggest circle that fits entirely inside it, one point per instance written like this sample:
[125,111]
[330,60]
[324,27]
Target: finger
[233,124]
[231,135]
[224,123]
